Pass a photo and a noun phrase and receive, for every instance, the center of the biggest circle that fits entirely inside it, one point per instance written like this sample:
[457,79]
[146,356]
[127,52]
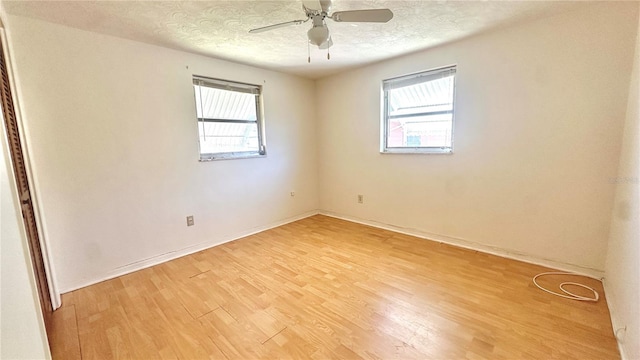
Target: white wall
[622,275]
[539,116]
[22,333]
[111,132]
[112,135]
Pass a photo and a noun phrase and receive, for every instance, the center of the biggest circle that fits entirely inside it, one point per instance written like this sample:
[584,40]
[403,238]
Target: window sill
[217,157]
[426,151]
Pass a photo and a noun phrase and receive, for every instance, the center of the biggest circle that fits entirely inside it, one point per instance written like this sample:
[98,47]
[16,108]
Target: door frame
[54,294]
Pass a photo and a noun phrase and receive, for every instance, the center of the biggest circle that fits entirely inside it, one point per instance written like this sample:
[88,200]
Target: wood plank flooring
[323,288]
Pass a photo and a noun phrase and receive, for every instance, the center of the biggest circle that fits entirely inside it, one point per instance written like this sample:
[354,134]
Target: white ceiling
[220,28]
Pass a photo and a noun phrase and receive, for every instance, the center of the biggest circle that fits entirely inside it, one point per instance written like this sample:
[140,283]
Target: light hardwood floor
[324,288]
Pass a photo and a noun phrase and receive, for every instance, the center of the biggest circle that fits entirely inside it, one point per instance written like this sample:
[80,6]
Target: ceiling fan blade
[371,15]
[325,5]
[311,5]
[276,26]
[327,44]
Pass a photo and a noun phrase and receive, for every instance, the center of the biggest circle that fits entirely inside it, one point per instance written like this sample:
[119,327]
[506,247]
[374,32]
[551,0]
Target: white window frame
[237,87]
[407,80]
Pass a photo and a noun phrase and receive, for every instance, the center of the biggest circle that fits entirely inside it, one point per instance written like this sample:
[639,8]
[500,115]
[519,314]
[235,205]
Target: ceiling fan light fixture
[318,35]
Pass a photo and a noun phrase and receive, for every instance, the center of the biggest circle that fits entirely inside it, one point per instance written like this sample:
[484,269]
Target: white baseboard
[506,253]
[145,263]
[616,322]
[159,259]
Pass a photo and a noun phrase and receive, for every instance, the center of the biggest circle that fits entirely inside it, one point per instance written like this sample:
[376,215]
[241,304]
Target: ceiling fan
[319,34]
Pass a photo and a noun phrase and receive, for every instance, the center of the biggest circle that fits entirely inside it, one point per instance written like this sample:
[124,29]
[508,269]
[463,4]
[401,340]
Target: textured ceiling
[220,28]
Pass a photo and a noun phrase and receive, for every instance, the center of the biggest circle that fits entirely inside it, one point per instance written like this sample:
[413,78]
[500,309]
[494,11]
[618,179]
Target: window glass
[229,119]
[418,112]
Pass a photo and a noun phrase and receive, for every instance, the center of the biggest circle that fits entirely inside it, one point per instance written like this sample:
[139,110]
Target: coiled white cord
[568,294]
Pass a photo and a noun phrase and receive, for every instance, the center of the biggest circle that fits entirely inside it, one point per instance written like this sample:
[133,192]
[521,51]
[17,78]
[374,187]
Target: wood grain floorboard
[323,288]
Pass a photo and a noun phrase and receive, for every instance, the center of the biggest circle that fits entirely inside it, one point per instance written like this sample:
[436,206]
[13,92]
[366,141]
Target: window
[418,112]
[229,119]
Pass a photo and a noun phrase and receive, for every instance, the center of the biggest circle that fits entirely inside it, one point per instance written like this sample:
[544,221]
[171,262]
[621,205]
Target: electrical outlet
[190,220]
[293,193]
[360,199]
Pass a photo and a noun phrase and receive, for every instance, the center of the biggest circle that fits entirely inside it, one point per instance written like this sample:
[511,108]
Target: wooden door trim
[53,294]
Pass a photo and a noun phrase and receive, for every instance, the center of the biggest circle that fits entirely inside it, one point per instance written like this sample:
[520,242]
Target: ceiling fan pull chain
[308,52]
[328,54]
